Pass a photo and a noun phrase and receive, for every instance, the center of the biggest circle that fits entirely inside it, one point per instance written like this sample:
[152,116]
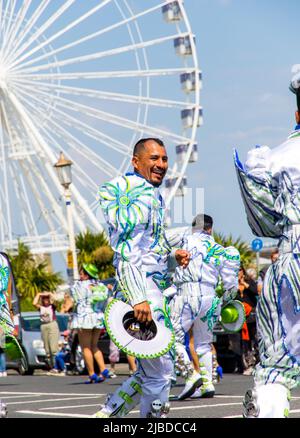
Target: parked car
[31,342]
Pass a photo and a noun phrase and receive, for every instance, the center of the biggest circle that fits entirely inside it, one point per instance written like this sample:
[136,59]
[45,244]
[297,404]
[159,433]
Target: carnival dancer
[10,343]
[90,297]
[197,304]
[270,188]
[134,211]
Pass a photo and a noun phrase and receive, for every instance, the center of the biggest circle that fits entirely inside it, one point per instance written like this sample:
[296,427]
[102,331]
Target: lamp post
[64,173]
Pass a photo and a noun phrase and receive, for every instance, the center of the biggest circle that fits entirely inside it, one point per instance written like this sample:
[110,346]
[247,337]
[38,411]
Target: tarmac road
[42,396]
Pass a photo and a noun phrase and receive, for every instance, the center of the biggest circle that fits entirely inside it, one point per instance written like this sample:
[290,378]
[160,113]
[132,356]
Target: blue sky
[246,49]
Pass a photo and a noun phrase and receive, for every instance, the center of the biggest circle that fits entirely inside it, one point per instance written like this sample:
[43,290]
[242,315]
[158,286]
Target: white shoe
[191,384]
[4,374]
[1,374]
[103,413]
[206,390]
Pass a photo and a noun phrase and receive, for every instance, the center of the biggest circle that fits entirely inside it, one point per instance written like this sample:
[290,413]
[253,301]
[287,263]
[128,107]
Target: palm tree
[247,255]
[31,276]
[94,248]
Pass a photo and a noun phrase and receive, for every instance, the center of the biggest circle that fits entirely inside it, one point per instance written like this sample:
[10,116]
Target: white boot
[207,389]
[3,409]
[267,401]
[123,400]
[191,384]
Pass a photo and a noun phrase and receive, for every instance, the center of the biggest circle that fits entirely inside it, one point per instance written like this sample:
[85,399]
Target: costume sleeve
[229,273]
[193,272]
[127,212]
[177,240]
[259,192]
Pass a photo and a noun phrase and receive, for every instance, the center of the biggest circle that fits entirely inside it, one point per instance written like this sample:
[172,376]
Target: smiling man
[134,211]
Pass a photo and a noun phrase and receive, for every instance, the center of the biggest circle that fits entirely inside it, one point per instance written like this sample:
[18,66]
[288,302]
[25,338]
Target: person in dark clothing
[248,293]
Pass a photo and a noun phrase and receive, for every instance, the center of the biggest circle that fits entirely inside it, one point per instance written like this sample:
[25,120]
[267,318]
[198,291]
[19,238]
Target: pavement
[42,396]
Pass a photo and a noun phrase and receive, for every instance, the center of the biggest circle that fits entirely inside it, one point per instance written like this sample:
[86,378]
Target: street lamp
[64,173]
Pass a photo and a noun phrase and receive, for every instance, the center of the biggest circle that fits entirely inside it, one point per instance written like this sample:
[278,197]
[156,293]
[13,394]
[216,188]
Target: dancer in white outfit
[196,302]
[134,211]
[270,187]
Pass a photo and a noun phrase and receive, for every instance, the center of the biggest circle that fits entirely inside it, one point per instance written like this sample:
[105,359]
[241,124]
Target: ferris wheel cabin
[181,151]
[188,82]
[171,12]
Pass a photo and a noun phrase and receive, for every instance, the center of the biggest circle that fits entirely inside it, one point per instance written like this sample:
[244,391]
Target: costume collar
[296,132]
[200,232]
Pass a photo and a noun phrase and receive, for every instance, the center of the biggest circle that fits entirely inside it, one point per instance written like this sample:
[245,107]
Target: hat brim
[159,345]
[91,274]
[234,327]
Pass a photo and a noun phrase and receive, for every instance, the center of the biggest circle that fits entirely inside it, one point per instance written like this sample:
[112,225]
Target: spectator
[62,356]
[2,354]
[49,328]
[89,297]
[248,294]
[261,276]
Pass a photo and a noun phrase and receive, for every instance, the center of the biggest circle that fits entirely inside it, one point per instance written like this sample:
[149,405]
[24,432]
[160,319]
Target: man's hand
[182,257]
[142,312]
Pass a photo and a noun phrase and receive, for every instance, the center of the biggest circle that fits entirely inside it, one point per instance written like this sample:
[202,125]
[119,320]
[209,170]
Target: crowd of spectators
[245,343]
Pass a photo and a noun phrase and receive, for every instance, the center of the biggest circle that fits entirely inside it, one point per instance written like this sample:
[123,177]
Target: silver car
[32,344]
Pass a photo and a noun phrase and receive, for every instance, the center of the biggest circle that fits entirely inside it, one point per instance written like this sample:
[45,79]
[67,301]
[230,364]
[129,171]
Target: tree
[94,248]
[31,276]
[247,255]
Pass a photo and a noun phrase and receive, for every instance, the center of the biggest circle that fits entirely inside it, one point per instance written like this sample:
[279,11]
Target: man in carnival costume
[196,303]
[134,211]
[11,345]
[270,187]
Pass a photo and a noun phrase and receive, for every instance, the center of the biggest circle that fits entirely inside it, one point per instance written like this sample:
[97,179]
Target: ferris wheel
[88,78]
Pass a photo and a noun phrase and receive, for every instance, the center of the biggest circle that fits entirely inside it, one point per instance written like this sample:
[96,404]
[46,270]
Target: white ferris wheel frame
[18,36]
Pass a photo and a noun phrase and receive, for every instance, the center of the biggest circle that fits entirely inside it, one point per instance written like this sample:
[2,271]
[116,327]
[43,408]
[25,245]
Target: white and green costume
[5,317]
[196,303]
[270,187]
[134,212]
[6,323]
[90,298]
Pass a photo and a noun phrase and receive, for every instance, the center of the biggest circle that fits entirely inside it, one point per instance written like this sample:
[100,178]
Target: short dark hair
[203,221]
[140,145]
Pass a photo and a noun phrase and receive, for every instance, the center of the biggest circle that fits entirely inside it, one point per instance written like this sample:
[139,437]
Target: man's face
[151,162]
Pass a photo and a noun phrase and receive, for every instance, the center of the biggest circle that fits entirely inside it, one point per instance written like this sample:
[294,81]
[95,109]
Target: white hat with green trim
[232,316]
[144,341]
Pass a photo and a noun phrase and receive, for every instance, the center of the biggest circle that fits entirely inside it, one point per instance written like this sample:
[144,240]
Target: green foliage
[31,276]
[94,248]
[247,255]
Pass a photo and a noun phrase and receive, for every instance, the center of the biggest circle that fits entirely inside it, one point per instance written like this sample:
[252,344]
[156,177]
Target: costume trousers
[278,324]
[195,305]
[50,337]
[155,374]
[152,380]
